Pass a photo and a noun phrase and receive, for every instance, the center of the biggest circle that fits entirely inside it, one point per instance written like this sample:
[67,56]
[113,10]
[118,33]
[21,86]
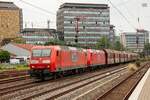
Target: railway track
[59,91]
[79,87]
[14,86]
[123,90]
[12,76]
[13,79]
[13,73]
[56,85]
[78,92]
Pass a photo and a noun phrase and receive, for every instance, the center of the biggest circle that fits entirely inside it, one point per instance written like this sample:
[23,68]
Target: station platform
[142,91]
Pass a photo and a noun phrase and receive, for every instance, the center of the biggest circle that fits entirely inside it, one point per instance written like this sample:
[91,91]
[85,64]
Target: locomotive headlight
[34,61]
[32,67]
[46,61]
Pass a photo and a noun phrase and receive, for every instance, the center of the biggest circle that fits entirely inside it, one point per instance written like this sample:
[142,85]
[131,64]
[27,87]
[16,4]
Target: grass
[132,67]
[22,67]
[10,67]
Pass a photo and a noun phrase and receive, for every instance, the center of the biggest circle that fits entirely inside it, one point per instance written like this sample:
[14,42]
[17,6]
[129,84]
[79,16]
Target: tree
[55,42]
[118,46]
[4,56]
[19,40]
[103,43]
[147,49]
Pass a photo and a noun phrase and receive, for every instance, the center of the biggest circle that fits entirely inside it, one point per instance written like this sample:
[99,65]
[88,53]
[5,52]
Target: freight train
[52,60]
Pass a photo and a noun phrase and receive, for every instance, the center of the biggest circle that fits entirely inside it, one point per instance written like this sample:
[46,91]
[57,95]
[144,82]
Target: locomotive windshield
[41,53]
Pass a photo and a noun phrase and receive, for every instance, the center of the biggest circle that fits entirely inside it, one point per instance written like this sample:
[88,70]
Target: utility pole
[139,23]
[137,39]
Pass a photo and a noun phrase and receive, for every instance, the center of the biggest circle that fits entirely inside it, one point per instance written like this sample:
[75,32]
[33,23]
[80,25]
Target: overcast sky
[131,9]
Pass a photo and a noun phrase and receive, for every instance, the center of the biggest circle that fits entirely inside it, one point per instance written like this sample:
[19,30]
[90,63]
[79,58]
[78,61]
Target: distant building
[10,20]
[90,21]
[135,41]
[38,35]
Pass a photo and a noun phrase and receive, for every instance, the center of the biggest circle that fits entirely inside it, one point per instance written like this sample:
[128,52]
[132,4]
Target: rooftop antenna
[25,24]
[32,24]
[139,22]
[48,24]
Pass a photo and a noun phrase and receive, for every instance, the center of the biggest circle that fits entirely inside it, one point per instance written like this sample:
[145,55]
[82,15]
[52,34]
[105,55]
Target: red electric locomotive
[48,60]
[96,57]
[54,60]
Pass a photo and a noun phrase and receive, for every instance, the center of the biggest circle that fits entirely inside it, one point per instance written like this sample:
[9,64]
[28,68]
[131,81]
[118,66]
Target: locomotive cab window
[41,52]
[57,53]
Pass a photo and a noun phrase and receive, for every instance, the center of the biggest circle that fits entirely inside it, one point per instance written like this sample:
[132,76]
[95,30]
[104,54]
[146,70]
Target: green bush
[4,56]
[138,63]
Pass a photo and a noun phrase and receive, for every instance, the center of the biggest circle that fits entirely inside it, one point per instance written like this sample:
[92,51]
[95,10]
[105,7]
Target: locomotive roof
[80,49]
[109,50]
[59,47]
[42,47]
[93,50]
[115,51]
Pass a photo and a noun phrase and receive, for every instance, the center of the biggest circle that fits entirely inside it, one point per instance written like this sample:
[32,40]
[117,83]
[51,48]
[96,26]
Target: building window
[96,22]
[84,27]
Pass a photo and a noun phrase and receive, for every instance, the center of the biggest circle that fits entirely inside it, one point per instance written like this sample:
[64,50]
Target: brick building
[10,20]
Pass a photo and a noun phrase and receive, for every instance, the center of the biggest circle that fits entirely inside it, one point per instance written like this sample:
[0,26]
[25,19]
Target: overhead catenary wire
[123,3]
[60,1]
[128,11]
[37,7]
[122,15]
[131,14]
[52,13]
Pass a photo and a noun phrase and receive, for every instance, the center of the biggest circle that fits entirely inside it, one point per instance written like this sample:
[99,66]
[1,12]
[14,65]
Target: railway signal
[77,19]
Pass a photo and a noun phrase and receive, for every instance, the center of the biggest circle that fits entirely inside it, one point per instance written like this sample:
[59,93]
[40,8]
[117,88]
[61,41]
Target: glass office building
[135,41]
[93,22]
